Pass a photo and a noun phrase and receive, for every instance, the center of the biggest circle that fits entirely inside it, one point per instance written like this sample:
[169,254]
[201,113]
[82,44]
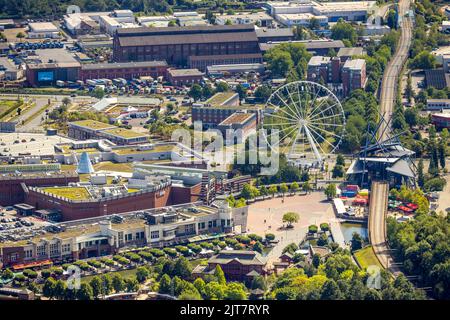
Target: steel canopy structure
[382,160]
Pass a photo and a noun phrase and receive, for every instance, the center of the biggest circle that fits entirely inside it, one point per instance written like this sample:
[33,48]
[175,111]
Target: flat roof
[123,65]
[279,32]
[309,44]
[124,133]
[318,60]
[220,98]
[185,72]
[72,193]
[354,64]
[92,124]
[42,26]
[145,36]
[237,117]
[353,51]
[51,58]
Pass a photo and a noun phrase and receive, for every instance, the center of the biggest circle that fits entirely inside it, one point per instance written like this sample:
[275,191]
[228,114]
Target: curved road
[391,75]
[380,190]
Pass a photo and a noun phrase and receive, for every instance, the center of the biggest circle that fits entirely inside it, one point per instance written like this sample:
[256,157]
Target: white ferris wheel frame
[304,119]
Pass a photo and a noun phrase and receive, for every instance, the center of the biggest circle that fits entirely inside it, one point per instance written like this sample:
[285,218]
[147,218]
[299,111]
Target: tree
[357,241]
[279,62]
[241,91]
[340,161]
[172,23]
[182,268]
[66,102]
[118,283]
[85,292]
[290,218]
[313,228]
[7,274]
[96,285]
[165,284]
[294,187]
[273,190]
[220,275]
[249,191]
[190,294]
[48,289]
[262,93]
[200,284]
[131,285]
[20,36]
[338,171]
[98,93]
[420,175]
[306,187]
[235,291]
[424,60]
[330,191]
[284,188]
[270,237]
[331,291]
[60,289]
[142,274]
[392,19]
[324,227]
[344,31]
[222,86]
[195,92]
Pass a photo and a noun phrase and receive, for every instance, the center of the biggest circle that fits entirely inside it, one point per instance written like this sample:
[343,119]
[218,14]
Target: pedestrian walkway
[338,236]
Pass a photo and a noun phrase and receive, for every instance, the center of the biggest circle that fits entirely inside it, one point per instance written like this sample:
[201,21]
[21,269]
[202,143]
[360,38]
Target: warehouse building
[40,30]
[183,77]
[127,70]
[347,10]
[176,44]
[49,65]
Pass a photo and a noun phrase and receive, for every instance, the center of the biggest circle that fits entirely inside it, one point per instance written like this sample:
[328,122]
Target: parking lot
[13,226]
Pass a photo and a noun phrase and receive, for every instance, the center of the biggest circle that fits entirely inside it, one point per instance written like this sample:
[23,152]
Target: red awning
[412,206]
[32,264]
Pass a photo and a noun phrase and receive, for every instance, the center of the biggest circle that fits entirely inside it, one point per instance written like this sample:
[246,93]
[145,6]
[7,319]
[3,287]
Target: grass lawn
[366,257]
[68,167]
[110,166]
[196,262]
[6,104]
[75,193]
[126,274]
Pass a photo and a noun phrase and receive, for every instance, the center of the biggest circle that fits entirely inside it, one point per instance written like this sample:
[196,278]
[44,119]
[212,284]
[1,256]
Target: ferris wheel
[305,121]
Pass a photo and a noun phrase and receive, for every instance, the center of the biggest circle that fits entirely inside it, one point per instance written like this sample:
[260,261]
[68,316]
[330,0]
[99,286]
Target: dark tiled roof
[437,78]
[186,35]
[242,256]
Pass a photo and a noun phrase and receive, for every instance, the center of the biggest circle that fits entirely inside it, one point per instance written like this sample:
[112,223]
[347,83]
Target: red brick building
[176,44]
[180,77]
[12,186]
[128,70]
[74,210]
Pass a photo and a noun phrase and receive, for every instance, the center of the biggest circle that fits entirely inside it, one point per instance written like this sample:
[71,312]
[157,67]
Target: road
[380,190]
[377,225]
[40,101]
[389,83]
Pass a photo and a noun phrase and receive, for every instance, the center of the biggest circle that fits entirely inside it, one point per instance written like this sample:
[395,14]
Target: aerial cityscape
[224,150]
